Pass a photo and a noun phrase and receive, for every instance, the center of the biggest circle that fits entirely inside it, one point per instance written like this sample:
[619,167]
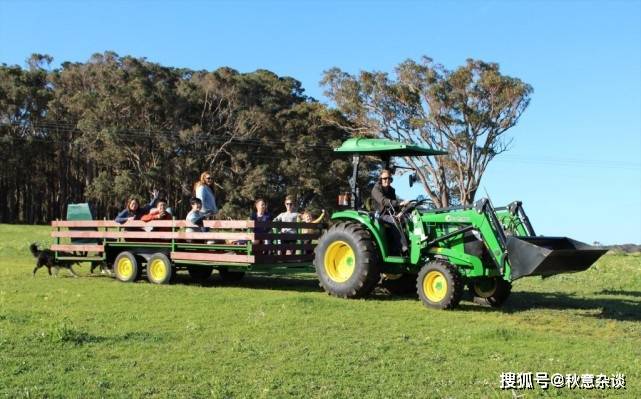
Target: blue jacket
[206,196]
[125,214]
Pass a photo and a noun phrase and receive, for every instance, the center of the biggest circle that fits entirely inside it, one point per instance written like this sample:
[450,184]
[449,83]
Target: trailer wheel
[126,268]
[439,285]
[490,291]
[199,273]
[229,276]
[347,261]
[400,284]
[160,270]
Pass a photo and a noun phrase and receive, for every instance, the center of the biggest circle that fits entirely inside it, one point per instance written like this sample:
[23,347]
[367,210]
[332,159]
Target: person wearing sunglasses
[290,215]
[204,191]
[386,204]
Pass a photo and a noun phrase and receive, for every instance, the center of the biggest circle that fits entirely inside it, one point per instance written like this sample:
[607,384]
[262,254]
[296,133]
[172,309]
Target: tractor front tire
[439,285]
[490,291]
[347,262]
[126,268]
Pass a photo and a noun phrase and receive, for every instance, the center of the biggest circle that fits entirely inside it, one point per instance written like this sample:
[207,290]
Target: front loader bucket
[547,256]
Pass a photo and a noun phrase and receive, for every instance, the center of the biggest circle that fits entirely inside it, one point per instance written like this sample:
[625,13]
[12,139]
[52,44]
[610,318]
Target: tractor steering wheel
[407,208]
[410,206]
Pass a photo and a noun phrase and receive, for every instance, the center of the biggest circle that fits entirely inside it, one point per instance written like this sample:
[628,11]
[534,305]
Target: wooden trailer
[160,248]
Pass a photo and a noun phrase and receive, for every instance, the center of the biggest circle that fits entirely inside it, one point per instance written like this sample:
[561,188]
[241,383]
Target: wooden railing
[241,241]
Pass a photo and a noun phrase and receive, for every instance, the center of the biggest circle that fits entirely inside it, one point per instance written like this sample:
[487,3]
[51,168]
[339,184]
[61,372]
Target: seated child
[306,217]
[195,216]
[159,213]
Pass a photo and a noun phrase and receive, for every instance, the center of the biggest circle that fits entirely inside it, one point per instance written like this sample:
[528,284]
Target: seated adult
[134,211]
[289,216]
[261,215]
[385,200]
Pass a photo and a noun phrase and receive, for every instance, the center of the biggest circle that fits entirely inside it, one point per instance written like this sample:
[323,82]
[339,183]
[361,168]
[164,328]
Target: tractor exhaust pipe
[547,256]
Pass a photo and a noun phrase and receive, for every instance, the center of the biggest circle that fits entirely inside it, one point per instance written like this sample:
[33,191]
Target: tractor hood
[385,148]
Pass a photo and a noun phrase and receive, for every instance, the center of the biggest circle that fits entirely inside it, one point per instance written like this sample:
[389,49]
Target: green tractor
[478,246]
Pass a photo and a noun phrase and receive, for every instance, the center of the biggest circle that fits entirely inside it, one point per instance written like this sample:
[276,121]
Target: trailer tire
[200,273]
[160,269]
[230,276]
[400,284]
[490,291]
[439,285]
[347,262]
[126,268]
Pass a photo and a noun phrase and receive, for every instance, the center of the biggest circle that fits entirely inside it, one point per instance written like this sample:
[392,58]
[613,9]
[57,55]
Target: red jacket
[154,215]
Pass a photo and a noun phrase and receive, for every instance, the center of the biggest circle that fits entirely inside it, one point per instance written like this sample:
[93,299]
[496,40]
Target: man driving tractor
[385,203]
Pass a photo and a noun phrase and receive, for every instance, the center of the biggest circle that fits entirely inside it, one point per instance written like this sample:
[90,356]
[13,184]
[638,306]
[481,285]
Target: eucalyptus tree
[465,111]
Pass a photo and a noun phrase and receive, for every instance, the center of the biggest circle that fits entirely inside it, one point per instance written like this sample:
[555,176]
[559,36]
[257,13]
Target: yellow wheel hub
[435,286]
[157,269]
[125,268]
[339,261]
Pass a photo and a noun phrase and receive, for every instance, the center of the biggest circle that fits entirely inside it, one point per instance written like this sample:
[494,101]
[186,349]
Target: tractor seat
[368,204]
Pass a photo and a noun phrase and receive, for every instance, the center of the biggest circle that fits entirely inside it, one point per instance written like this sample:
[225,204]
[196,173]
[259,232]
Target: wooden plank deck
[212,257]
[77,248]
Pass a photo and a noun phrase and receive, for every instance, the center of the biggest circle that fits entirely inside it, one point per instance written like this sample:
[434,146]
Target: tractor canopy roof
[385,148]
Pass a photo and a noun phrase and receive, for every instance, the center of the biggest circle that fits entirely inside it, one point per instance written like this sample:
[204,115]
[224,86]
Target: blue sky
[575,161]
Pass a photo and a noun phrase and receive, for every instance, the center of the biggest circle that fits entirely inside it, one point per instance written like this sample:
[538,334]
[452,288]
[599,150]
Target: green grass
[282,337]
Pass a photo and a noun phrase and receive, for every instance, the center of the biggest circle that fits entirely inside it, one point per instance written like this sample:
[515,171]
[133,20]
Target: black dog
[47,258]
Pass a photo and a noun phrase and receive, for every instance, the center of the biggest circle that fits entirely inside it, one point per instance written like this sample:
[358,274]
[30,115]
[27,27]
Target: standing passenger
[204,191]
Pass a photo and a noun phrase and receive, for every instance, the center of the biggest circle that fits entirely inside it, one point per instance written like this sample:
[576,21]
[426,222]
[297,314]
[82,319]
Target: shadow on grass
[71,335]
[298,282]
[620,293]
[622,309]
[259,281]
[609,308]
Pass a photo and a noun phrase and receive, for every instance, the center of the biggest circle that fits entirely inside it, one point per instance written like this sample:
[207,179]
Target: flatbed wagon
[162,247]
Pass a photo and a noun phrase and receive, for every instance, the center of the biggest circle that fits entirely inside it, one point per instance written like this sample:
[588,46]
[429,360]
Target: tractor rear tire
[160,269]
[439,285]
[490,291]
[229,276]
[126,268]
[347,262]
[400,284]
[200,273]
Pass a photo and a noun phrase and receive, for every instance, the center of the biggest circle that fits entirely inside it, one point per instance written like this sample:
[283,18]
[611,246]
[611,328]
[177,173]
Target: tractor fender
[366,220]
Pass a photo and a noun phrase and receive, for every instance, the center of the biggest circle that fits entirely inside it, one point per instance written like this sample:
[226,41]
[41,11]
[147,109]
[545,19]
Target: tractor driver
[384,197]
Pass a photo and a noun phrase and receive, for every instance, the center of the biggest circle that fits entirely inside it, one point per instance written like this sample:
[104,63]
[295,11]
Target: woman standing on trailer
[204,191]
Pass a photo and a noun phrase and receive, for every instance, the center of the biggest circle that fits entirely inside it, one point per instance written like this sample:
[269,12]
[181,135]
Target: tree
[116,126]
[465,112]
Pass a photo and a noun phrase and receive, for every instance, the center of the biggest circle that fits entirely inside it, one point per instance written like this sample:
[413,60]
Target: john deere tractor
[480,246]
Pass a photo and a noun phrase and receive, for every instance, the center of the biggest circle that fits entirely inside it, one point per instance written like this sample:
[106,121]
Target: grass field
[281,336]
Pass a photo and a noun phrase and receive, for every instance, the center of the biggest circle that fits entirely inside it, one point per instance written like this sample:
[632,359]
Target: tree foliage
[116,126]
[465,111]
